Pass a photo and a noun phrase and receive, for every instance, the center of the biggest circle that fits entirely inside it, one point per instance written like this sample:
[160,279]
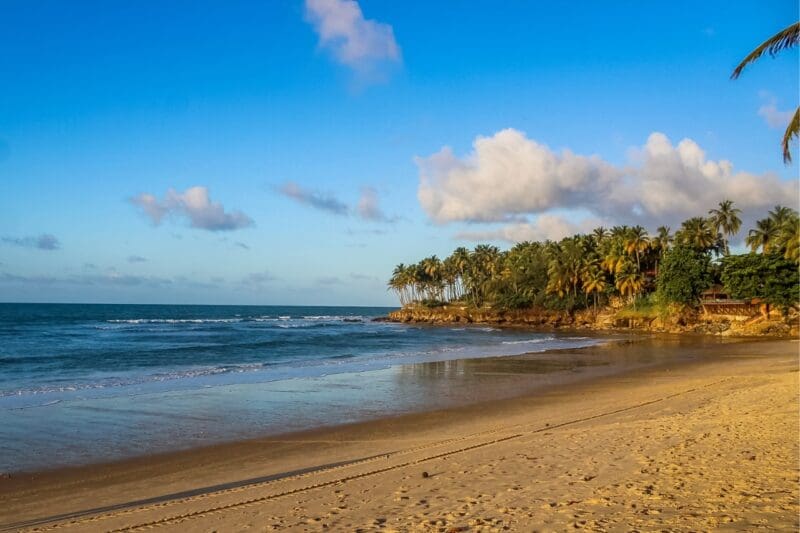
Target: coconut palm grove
[664,271]
[586,270]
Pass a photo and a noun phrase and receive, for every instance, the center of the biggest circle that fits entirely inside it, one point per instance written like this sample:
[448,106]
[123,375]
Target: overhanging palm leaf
[793,130]
[780,41]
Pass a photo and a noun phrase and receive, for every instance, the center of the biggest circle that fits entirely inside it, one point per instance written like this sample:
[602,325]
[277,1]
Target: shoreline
[194,417]
[45,494]
[527,374]
[669,344]
[605,320]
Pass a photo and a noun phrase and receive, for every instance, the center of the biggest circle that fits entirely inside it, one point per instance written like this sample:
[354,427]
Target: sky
[291,153]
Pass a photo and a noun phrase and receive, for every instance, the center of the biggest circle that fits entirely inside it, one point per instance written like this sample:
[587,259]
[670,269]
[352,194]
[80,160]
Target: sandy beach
[375,266]
[704,445]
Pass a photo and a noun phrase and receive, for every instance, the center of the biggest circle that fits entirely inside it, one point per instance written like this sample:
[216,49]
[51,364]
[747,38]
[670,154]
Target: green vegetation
[770,277]
[779,232]
[646,273]
[647,308]
[685,273]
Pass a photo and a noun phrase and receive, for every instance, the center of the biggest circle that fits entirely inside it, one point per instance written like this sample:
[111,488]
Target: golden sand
[703,446]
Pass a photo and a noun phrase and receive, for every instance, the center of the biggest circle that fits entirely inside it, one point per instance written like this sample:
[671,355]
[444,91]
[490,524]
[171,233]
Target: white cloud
[675,182]
[361,44]
[508,177]
[194,204]
[772,116]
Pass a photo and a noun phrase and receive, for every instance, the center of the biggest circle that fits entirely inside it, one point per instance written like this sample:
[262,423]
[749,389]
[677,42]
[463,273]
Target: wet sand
[697,444]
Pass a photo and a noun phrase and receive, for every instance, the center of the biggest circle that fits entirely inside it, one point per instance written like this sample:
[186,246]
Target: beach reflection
[87,430]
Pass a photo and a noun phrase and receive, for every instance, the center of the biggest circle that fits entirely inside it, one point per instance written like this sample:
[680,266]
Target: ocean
[88,383]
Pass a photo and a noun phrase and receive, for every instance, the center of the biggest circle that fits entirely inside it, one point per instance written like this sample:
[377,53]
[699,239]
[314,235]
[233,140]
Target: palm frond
[780,41]
[792,130]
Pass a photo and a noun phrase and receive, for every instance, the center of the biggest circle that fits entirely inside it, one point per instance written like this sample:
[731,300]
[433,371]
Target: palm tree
[594,282]
[787,224]
[619,231]
[790,240]
[613,255]
[482,269]
[661,243]
[600,234]
[557,278]
[460,261]
[726,219]
[450,277]
[782,40]
[636,241]
[397,283]
[432,275]
[698,233]
[762,236]
[781,215]
[629,282]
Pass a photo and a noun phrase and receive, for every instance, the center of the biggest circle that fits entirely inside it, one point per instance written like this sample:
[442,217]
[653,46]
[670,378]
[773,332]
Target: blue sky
[304,143]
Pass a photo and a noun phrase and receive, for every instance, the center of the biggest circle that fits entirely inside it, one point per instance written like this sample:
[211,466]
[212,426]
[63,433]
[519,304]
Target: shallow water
[88,383]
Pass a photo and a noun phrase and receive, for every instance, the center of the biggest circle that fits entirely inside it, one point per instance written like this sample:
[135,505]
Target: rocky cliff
[606,319]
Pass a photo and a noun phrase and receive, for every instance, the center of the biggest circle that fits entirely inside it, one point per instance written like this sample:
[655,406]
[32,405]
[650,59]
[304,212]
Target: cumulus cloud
[365,46]
[771,114]
[315,199]
[368,207]
[675,182]
[45,241]
[506,176]
[195,205]
[509,177]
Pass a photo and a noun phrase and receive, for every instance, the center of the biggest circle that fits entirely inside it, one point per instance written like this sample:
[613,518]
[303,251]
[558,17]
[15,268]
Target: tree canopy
[685,273]
[770,277]
[589,269]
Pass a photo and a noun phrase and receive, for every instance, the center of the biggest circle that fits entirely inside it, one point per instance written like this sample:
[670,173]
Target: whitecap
[530,341]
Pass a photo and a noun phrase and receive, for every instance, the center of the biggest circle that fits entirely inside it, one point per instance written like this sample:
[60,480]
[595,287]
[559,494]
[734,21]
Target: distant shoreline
[606,319]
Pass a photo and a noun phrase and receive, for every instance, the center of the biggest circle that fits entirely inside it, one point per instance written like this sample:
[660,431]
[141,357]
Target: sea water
[84,383]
